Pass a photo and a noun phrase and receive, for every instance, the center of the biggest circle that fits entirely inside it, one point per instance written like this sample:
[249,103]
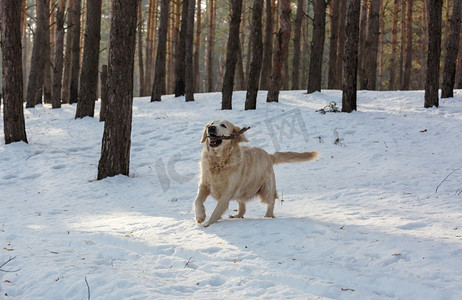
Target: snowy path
[374,218]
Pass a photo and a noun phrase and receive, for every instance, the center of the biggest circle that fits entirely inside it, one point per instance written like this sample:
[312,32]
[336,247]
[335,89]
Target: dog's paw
[200,219]
[236,217]
[206,224]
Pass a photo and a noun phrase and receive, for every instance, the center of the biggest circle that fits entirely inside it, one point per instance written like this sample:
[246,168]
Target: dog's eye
[223,125]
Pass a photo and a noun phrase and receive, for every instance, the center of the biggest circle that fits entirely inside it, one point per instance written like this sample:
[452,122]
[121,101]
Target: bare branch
[8,271]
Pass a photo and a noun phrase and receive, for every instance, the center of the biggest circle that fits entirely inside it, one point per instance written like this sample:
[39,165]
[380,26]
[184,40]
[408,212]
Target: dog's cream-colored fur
[231,171]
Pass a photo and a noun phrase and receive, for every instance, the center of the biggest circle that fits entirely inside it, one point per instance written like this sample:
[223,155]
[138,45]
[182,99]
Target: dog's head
[215,130]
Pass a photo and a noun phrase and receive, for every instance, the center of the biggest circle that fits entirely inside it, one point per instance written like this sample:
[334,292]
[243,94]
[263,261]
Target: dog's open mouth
[214,141]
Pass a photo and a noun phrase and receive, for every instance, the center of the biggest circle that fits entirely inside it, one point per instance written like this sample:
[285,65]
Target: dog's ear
[241,138]
[204,134]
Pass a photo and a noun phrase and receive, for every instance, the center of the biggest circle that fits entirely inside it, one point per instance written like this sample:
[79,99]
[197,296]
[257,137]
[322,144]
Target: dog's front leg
[199,208]
[219,210]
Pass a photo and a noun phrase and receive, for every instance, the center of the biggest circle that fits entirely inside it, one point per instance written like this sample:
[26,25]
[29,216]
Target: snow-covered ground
[379,216]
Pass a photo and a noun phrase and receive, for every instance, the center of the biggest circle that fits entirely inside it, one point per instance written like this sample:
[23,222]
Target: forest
[401,44]
[186,47]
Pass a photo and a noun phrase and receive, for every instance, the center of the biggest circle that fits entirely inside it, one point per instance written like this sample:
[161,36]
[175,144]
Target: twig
[436,191]
[187,263]
[9,260]
[88,287]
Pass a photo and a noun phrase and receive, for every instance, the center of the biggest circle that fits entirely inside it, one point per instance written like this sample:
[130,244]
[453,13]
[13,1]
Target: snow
[379,216]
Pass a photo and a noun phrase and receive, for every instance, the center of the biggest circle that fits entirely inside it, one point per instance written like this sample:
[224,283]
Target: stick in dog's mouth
[214,141]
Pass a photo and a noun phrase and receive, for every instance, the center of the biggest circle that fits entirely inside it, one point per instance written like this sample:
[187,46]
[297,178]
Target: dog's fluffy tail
[291,157]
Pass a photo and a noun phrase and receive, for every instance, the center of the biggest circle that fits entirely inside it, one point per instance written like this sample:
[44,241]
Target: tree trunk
[333,41]
[158,87]
[231,54]
[173,36]
[66,84]
[12,86]
[181,52]
[452,49]
[35,86]
[25,46]
[47,67]
[140,52]
[104,100]
[240,77]
[115,150]
[458,84]
[408,57]
[394,44]
[363,30]
[197,46]
[59,47]
[423,45]
[257,50]
[75,52]
[372,45]
[434,51]
[341,43]
[317,46]
[297,37]
[381,47]
[88,89]
[351,56]
[267,46]
[280,55]
[189,48]
[403,42]
[212,9]
[150,37]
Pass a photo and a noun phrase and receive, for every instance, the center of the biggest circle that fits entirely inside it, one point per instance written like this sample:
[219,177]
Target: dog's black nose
[212,130]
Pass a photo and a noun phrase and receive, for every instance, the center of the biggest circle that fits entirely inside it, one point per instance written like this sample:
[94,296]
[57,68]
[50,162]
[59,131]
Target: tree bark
[189,48]
[66,84]
[458,84]
[104,100]
[408,57]
[317,46]
[115,150]
[280,55]
[333,41]
[363,30]
[372,43]
[341,43]
[25,46]
[297,37]
[59,48]
[158,88]
[434,51]
[75,52]
[181,52]
[210,43]
[257,51]
[402,44]
[197,46]
[452,50]
[423,45]
[268,45]
[12,86]
[140,51]
[351,56]
[88,88]
[36,76]
[231,54]
[394,44]
[150,37]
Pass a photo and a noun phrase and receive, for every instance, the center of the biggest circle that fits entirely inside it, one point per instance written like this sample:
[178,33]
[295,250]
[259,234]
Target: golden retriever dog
[230,171]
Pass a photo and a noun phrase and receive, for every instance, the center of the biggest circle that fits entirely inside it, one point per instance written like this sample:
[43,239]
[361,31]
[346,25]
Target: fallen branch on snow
[436,191]
[7,271]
